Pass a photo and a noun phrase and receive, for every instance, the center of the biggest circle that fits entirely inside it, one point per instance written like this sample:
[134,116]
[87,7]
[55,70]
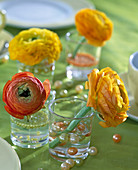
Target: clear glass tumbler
[32,131]
[82,57]
[42,71]
[69,131]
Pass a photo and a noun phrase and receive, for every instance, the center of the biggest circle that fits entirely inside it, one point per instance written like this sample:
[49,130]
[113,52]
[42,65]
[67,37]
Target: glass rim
[69,118]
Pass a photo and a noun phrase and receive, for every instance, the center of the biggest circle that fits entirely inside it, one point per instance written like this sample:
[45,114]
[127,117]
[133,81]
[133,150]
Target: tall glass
[32,131]
[69,133]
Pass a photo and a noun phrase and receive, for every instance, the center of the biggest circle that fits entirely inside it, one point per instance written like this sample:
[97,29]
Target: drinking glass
[32,131]
[69,132]
[82,57]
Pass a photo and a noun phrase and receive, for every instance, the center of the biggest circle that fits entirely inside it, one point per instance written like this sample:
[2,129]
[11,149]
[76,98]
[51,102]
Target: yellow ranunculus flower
[94,26]
[33,45]
[107,95]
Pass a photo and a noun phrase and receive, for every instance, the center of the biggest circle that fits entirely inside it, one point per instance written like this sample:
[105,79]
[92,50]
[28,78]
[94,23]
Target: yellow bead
[79,88]
[70,162]
[63,137]
[58,84]
[92,151]
[63,93]
[74,138]
[65,166]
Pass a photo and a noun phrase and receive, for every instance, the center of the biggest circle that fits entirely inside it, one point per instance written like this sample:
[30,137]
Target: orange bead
[72,151]
[116,138]
[63,128]
[81,127]
[65,166]
[60,124]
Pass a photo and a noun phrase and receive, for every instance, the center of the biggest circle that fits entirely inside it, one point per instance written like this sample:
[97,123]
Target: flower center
[23,91]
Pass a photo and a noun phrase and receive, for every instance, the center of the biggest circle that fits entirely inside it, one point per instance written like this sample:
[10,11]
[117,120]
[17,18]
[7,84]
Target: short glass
[85,59]
[32,131]
[42,71]
[67,140]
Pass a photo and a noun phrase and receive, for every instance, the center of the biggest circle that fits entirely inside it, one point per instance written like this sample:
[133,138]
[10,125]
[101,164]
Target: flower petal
[107,94]
[47,87]
[24,95]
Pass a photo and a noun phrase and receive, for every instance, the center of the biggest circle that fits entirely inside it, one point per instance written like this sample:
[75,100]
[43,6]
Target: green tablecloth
[115,54]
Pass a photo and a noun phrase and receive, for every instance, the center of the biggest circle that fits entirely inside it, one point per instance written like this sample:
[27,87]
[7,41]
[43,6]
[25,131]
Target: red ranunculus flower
[25,94]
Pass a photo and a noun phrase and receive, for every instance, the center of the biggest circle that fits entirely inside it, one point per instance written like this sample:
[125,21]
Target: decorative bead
[81,127]
[63,137]
[92,151]
[58,84]
[70,162]
[88,134]
[63,93]
[69,83]
[72,151]
[55,127]
[79,162]
[60,124]
[79,88]
[74,138]
[65,166]
[63,128]
[116,138]
[66,123]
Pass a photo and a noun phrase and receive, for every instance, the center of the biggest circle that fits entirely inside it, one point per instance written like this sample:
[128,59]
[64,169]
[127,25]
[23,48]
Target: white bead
[92,150]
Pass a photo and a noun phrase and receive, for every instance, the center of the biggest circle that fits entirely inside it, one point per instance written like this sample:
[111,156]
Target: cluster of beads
[69,163]
[68,84]
[78,134]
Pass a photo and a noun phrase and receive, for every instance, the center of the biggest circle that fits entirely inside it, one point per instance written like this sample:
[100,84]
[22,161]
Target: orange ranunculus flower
[107,95]
[94,25]
[25,94]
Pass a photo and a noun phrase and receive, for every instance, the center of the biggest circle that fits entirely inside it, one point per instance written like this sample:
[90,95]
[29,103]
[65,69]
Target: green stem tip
[78,46]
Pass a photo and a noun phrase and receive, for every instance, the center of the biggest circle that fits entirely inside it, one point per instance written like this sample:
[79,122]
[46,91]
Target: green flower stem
[78,46]
[54,142]
[71,126]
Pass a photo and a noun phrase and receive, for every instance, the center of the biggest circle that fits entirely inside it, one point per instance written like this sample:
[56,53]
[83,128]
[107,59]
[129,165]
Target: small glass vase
[42,71]
[32,131]
[69,133]
[81,56]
